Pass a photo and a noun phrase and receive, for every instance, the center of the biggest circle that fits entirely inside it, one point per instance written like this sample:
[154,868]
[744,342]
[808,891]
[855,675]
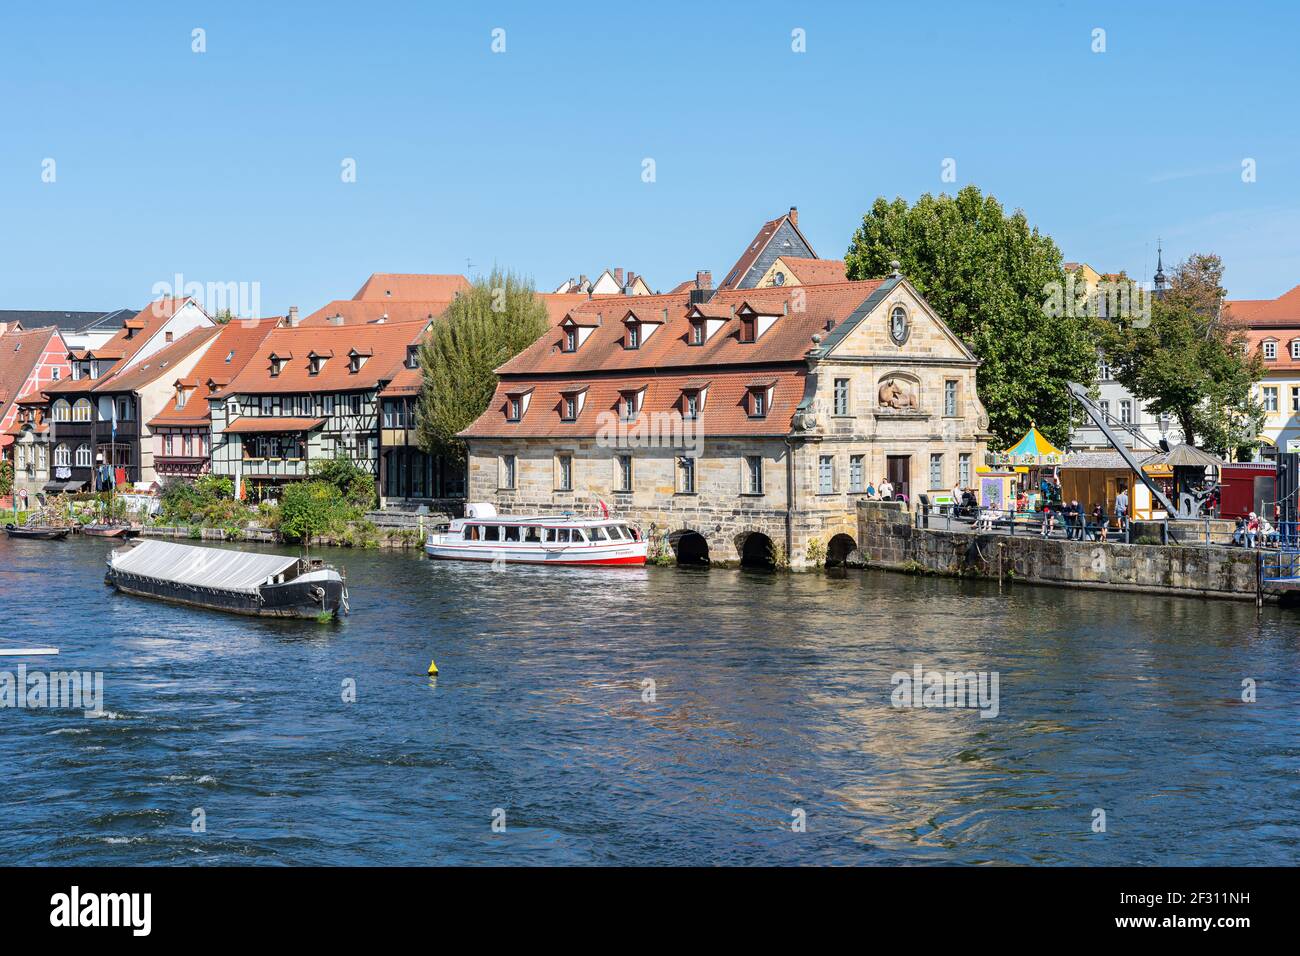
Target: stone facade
[890,539]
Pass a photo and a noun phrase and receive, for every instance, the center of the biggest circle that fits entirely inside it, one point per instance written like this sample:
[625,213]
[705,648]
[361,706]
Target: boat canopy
[201,567]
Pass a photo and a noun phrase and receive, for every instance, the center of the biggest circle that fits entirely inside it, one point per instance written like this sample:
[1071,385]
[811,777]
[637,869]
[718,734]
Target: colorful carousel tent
[1032,451]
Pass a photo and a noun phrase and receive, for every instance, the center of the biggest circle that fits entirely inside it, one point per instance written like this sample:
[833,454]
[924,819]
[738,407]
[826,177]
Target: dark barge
[240,582]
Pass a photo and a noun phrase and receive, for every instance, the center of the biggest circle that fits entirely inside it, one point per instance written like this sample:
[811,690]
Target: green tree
[355,484]
[6,477]
[1189,363]
[496,319]
[310,508]
[990,276]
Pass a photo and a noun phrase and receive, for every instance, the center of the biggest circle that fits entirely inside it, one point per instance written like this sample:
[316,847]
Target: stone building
[738,424]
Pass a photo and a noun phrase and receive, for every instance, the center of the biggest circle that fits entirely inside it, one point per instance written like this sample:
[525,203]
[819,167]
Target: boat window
[550,535]
[616,532]
[564,535]
[532,534]
[471,533]
[579,535]
[598,534]
[511,533]
[491,532]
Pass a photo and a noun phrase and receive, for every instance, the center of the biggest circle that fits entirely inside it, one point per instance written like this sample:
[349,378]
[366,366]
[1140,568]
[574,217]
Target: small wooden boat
[36,532]
[541,539]
[108,530]
[221,579]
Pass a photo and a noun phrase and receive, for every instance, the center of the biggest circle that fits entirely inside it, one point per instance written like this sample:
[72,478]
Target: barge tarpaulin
[197,567]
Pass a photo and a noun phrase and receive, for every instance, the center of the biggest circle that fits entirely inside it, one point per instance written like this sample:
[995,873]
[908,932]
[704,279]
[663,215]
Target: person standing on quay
[1121,508]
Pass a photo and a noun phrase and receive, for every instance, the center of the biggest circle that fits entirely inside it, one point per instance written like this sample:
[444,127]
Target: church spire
[1159,288]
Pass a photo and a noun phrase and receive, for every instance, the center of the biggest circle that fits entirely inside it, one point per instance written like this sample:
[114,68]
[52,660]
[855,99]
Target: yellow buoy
[433,669]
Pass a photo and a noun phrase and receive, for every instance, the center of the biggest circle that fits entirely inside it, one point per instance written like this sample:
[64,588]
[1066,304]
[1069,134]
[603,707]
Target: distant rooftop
[68,321]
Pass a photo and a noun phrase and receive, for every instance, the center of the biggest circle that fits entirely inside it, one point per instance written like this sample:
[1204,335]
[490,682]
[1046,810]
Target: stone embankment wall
[888,539]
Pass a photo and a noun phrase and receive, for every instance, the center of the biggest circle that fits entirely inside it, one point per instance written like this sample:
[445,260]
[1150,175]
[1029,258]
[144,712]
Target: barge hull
[296,599]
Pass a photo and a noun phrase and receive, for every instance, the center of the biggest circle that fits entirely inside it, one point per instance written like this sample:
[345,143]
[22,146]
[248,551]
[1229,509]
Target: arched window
[83,456]
[82,410]
[62,455]
[62,411]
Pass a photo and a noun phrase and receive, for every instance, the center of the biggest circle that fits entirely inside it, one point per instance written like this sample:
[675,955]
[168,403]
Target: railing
[1206,532]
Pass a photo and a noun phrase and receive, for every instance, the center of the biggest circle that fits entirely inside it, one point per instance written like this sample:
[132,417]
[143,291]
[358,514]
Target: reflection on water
[771,693]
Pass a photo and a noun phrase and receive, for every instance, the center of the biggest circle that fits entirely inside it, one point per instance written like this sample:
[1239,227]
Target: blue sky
[225,166]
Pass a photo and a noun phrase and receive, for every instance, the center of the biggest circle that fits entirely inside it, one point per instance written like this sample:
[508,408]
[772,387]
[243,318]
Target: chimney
[704,279]
[582,283]
[618,276]
[794,215]
[293,316]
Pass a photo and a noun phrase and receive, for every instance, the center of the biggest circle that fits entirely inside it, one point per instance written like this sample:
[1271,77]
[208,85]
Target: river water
[767,736]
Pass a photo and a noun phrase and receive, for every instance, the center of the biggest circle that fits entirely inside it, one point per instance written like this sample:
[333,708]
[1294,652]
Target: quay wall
[887,538]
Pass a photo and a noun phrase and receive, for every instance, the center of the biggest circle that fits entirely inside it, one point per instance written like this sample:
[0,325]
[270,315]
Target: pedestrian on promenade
[1239,533]
[1099,521]
[886,490]
[1049,520]
[871,491]
[1121,508]
[1252,529]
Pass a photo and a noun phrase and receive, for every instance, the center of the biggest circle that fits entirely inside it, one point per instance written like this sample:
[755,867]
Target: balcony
[274,468]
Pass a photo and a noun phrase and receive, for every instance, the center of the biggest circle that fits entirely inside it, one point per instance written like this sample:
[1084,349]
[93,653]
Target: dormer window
[316,361]
[569,408]
[277,365]
[570,339]
[691,405]
[627,406]
[697,332]
[633,335]
[413,356]
[1270,350]
[180,396]
[516,409]
[356,360]
[760,398]
[747,329]
[1295,348]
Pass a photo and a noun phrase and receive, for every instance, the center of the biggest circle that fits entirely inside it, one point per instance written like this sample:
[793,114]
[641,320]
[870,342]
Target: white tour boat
[483,535]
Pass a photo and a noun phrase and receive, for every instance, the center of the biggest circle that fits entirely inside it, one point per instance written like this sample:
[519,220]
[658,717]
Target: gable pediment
[896,324]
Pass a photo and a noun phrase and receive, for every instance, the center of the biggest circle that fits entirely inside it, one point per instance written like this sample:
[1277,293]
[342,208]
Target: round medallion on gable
[900,327]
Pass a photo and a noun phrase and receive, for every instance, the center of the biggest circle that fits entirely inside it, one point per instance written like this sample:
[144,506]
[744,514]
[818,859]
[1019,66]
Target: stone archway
[839,550]
[757,551]
[690,547]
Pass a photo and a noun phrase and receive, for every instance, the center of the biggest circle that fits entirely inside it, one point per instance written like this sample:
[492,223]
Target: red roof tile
[236,343]
[816,271]
[257,424]
[1284,310]
[803,312]
[122,346]
[397,286]
[370,311]
[19,354]
[387,342]
[162,364]
[725,411]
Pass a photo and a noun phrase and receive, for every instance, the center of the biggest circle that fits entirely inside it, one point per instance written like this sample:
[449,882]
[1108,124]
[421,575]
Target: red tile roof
[362,312]
[256,424]
[1283,337]
[415,287]
[162,364]
[816,271]
[123,347]
[386,344]
[666,364]
[725,411]
[1282,311]
[19,354]
[236,343]
[803,311]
